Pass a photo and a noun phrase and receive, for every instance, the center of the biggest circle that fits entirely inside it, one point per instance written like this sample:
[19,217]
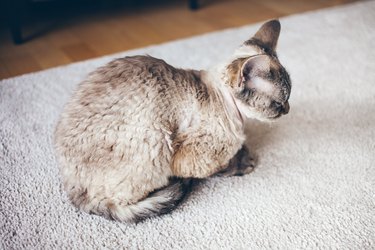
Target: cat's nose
[286,108]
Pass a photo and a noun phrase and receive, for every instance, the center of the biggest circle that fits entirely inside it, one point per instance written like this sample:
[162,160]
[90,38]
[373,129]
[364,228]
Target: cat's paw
[243,164]
[227,172]
[246,165]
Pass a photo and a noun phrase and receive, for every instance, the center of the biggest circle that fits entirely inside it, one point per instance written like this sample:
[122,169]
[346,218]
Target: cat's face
[261,84]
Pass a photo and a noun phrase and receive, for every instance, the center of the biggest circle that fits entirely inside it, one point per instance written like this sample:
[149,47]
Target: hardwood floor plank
[21,64]
[4,73]
[47,54]
[78,52]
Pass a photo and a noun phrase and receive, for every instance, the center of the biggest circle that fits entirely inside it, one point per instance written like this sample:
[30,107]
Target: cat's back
[131,79]
[124,86]
[130,100]
[133,68]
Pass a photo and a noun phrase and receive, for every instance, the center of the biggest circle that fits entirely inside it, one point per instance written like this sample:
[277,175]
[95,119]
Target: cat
[137,131]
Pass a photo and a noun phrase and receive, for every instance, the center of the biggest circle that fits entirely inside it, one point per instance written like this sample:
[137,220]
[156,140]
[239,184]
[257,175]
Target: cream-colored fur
[137,122]
[116,144]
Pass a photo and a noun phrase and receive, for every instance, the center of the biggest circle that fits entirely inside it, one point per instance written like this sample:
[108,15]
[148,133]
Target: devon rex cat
[137,129]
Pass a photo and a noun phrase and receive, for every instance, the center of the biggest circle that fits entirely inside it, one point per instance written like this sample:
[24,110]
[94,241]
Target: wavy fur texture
[137,122]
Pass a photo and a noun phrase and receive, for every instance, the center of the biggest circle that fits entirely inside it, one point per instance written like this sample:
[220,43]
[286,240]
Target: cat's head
[261,85]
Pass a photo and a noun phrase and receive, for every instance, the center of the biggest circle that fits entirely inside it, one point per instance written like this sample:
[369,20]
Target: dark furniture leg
[15,29]
[14,11]
[193,4]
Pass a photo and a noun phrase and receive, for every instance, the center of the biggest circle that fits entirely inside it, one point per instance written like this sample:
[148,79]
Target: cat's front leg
[202,156]
[242,163]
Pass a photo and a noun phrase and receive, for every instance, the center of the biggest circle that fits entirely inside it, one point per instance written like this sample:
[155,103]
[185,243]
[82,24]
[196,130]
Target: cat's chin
[249,113]
[275,117]
[270,118]
[266,119]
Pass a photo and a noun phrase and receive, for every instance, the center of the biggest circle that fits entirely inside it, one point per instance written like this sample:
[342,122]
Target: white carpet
[314,186]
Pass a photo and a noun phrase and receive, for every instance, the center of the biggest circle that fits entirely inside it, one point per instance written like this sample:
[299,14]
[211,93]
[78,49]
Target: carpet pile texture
[314,186]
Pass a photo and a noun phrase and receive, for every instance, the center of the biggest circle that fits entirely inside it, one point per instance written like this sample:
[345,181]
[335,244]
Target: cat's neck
[218,76]
[215,78]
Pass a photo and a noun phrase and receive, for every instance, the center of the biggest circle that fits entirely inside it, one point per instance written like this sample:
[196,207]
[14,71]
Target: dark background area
[18,15]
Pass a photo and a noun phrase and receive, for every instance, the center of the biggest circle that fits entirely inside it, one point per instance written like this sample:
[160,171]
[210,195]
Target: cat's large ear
[252,74]
[268,34]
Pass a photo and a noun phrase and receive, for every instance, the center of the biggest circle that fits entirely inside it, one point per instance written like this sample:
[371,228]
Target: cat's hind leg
[242,163]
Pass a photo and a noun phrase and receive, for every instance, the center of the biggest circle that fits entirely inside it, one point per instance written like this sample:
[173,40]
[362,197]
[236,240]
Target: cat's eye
[277,105]
[266,50]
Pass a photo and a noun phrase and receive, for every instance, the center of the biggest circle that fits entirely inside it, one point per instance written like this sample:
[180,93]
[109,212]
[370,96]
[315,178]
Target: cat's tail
[159,202]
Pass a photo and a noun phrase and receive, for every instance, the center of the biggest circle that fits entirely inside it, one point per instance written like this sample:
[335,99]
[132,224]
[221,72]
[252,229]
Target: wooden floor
[111,31]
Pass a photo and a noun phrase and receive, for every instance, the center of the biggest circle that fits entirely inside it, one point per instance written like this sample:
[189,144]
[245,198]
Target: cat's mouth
[276,116]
